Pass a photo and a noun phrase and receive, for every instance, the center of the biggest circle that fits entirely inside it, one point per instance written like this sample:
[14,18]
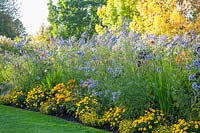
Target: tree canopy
[168,17]
[73,17]
[10,25]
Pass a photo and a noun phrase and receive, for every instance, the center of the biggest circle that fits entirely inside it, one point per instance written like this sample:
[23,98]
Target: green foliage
[162,129]
[5,88]
[73,17]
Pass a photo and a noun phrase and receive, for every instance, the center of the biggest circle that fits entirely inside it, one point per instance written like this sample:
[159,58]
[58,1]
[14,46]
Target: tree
[168,17]
[153,16]
[10,25]
[10,7]
[114,12]
[73,17]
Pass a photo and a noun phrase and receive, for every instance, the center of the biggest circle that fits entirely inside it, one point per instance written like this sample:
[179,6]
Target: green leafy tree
[10,25]
[10,7]
[114,12]
[73,17]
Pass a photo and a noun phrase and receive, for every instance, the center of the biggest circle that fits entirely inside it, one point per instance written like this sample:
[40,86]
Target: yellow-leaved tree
[168,17]
[165,17]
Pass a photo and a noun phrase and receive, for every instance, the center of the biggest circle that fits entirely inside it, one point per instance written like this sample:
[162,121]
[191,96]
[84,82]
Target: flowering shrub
[186,126]
[146,123]
[125,126]
[18,98]
[86,104]
[113,116]
[60,99]
[35,97]
[91,118]
[121,69]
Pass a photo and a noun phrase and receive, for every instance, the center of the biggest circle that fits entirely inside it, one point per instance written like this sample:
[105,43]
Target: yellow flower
[150,126]
[152,110]
[155,122]
[185,128]
[196,126]
[71,81]
[67,99]
[159,118]
[139,129]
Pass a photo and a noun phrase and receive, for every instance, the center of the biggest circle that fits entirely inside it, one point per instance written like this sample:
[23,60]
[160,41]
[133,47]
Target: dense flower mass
[146,123]
[186,126]
[35,97]
[123,81]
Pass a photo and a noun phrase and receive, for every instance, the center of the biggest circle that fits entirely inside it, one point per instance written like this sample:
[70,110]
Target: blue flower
[80,53]
[110,70]
[95,58]
[90,83]
[193,77]
[188,67]
[198,51]
[196,63]
[195,86]
[159,70]
[19,45]
[81,41]
[91,86]
[115,96]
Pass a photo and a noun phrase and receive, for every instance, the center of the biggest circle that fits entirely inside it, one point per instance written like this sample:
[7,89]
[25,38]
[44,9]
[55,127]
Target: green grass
[14,120]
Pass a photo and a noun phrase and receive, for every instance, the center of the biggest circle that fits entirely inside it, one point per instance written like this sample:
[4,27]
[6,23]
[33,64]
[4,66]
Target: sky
[33,14]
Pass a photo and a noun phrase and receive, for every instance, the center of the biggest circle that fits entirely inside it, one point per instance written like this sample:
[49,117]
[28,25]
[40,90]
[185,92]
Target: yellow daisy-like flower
[150,126]
[196,126]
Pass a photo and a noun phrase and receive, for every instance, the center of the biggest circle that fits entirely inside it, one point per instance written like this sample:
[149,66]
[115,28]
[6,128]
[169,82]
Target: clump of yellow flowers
[59,99]
[186,127]
[146,123]
[113,116]
[86,104]
[35,97]
[18,98]
[91,118]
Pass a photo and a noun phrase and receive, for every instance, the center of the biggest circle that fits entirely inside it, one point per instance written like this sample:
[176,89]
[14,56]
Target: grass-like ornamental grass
[22,121]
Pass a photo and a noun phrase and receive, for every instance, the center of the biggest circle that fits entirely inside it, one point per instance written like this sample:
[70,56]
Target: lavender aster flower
[195,86]
[188,67]
[80,53]
[196,63]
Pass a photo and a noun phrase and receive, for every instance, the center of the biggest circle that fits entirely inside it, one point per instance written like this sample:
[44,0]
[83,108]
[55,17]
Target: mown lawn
[13,120]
